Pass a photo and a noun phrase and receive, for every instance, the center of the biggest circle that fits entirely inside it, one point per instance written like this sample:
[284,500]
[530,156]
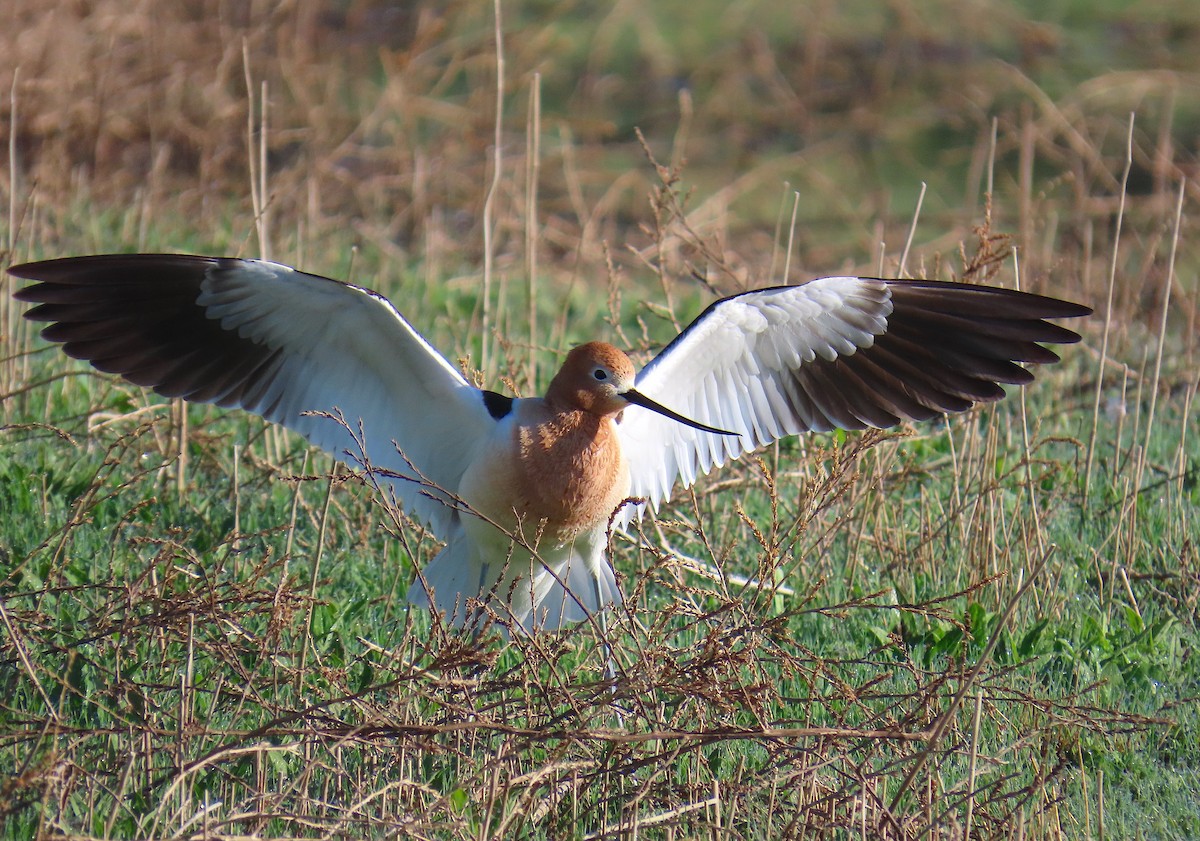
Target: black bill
[639,399]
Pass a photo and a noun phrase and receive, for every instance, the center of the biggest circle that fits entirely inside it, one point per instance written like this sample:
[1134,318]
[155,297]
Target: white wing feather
[345,348]
[731,369]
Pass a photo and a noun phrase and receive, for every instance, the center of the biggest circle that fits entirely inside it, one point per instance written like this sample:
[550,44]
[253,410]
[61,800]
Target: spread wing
[838,352]
[276,342]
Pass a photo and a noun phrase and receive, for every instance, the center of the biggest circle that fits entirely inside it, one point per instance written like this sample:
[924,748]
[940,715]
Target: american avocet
[523,491]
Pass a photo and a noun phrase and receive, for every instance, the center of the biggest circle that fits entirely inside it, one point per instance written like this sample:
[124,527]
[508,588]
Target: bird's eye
[600,374]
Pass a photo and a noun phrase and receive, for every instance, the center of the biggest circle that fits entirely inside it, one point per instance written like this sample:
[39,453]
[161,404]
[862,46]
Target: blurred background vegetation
[383,114]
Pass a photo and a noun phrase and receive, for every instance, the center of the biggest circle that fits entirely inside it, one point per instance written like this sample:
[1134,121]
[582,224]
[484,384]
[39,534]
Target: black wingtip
[25,271]
[1067,309]
[86,268]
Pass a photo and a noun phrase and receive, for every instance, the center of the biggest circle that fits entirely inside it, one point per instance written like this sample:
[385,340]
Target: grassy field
[978,628]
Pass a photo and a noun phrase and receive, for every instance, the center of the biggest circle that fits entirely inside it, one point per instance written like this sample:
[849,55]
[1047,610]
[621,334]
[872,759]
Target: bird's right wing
[837,352]
[276,342]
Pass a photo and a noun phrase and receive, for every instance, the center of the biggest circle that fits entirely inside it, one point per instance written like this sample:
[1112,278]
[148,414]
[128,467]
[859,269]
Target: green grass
[207,637]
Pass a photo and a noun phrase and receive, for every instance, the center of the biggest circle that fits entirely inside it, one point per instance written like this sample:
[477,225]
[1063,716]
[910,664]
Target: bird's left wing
[837,352]
[276,342]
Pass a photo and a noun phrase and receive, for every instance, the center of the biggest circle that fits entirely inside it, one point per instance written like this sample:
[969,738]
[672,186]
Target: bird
[524,492]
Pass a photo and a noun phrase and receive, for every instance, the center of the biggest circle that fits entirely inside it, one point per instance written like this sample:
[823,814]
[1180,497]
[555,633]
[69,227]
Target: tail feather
[453,576]
[578,590]
[561,593]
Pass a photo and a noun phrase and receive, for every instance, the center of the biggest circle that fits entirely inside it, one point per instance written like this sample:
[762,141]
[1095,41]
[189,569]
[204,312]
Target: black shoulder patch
[498,405]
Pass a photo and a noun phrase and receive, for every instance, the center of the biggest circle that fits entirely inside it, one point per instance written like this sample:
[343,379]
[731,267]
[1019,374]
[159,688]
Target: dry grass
[203,640]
